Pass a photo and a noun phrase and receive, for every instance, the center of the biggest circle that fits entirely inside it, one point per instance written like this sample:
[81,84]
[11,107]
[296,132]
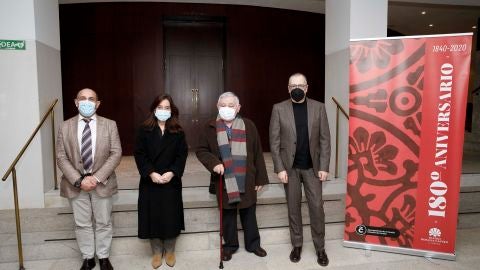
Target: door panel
[209,82]
[194,72]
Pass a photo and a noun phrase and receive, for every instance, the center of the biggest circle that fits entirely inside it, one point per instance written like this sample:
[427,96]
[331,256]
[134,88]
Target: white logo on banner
[435,232]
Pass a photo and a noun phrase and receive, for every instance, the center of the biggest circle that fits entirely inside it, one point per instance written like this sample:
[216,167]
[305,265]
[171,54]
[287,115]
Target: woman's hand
[156,178]
[166,177]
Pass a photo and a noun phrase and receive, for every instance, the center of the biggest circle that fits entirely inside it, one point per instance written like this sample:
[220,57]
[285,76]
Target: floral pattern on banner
[386,83]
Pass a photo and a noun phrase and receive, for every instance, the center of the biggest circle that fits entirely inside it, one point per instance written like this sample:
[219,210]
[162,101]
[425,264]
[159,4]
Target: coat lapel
[310,113]
[291,117]
[98,140]
[160,143]
[74,136]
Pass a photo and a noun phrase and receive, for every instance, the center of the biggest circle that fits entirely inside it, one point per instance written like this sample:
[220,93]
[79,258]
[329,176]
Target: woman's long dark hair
[171,124]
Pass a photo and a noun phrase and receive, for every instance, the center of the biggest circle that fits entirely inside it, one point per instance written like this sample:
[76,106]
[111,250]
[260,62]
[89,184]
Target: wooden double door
[194,72]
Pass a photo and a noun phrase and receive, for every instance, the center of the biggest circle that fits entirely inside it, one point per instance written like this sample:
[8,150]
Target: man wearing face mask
[230,147]
[300,147]
[88,151]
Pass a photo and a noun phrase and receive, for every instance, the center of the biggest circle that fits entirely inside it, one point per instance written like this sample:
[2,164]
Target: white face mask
[227,113]
[163,115]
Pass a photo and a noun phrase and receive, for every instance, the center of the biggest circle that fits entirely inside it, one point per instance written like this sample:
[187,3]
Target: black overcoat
[160,206]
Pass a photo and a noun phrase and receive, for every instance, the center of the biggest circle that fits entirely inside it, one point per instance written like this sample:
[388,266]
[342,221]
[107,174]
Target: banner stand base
[400,250]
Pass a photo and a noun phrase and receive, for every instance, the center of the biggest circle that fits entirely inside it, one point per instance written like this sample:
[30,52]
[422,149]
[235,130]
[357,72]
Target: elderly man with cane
[230,148]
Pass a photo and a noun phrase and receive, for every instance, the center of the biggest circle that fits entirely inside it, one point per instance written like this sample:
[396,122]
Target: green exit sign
[12,44]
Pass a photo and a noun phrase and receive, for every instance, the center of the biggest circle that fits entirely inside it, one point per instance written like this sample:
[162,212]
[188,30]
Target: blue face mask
[162,115]
[86,108]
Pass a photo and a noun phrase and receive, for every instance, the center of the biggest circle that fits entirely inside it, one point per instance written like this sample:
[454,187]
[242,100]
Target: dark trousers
[250,229]
[313,191]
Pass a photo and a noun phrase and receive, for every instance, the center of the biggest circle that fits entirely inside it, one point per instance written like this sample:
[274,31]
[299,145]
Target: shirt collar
[93,117]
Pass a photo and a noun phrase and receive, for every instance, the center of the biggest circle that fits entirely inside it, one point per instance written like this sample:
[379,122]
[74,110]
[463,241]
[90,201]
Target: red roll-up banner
[407,115]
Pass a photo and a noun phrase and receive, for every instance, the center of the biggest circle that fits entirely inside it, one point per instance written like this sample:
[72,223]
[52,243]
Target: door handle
[195,100]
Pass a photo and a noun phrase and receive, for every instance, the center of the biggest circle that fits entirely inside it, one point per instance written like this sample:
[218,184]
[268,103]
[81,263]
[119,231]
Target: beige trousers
[93,224]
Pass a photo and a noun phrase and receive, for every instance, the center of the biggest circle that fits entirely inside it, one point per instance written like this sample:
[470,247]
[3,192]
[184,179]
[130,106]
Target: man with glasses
[88,151]
[300,147]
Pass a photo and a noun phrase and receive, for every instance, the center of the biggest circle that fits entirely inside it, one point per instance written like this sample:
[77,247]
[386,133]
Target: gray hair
[229,94]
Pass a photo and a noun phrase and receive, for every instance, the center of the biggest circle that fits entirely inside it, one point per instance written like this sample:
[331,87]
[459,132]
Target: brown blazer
[283,136]
[209,155]
[108,153]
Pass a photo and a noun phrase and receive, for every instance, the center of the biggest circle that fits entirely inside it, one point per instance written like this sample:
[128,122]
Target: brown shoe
[322,258]
[157,260]
[260,252]
[170,259]
[295,255]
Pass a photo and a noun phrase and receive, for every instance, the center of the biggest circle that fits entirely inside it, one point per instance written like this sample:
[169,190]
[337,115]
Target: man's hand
[258,188]
[89,183]
[283,176]
[156,178]
[219,169]
[322,175]
[166,177]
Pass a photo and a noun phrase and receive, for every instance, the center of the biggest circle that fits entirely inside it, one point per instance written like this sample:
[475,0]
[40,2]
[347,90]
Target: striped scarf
[234,157]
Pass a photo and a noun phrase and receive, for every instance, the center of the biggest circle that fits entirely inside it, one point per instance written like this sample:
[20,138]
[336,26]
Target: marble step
[36,249]
[199,196]
[202,213]
[56,224]
[272,193]
[43,246]
[194,175]
[467,246]
[196,219]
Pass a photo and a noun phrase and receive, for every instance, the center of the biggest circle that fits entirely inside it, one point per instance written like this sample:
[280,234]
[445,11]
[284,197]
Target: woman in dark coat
[160,154]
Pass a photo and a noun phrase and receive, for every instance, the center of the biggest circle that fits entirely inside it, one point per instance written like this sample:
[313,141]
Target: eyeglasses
[293,86]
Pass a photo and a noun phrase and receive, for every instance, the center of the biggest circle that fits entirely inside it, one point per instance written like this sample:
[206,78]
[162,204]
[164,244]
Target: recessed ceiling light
[431,25]
[424,12]
[474,27]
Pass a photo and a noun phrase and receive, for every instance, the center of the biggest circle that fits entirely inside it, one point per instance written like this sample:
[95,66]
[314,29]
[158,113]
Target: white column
[31,80]
[345,20]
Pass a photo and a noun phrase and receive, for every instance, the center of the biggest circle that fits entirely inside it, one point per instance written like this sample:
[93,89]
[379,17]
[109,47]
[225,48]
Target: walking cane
[221,220]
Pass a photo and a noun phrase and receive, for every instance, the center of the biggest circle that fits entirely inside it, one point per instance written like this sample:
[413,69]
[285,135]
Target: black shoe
[105,264]
[260,252]
[227,255]
[88,264]
[322,258]
[295,254]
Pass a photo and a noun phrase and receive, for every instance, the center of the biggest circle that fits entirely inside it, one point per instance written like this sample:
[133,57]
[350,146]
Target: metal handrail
[13,171]
[339,109]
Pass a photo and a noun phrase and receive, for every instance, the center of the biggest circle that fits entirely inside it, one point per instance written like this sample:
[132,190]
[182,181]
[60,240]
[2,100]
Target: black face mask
[297,94]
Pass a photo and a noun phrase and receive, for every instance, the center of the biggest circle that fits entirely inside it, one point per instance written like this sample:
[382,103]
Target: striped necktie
[87,157]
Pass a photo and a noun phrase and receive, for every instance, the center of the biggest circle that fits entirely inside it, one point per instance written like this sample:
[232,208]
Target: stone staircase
[48,233]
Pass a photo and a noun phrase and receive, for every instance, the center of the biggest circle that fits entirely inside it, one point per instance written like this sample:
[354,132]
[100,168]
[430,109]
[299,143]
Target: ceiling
[407,18]
[404,16]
